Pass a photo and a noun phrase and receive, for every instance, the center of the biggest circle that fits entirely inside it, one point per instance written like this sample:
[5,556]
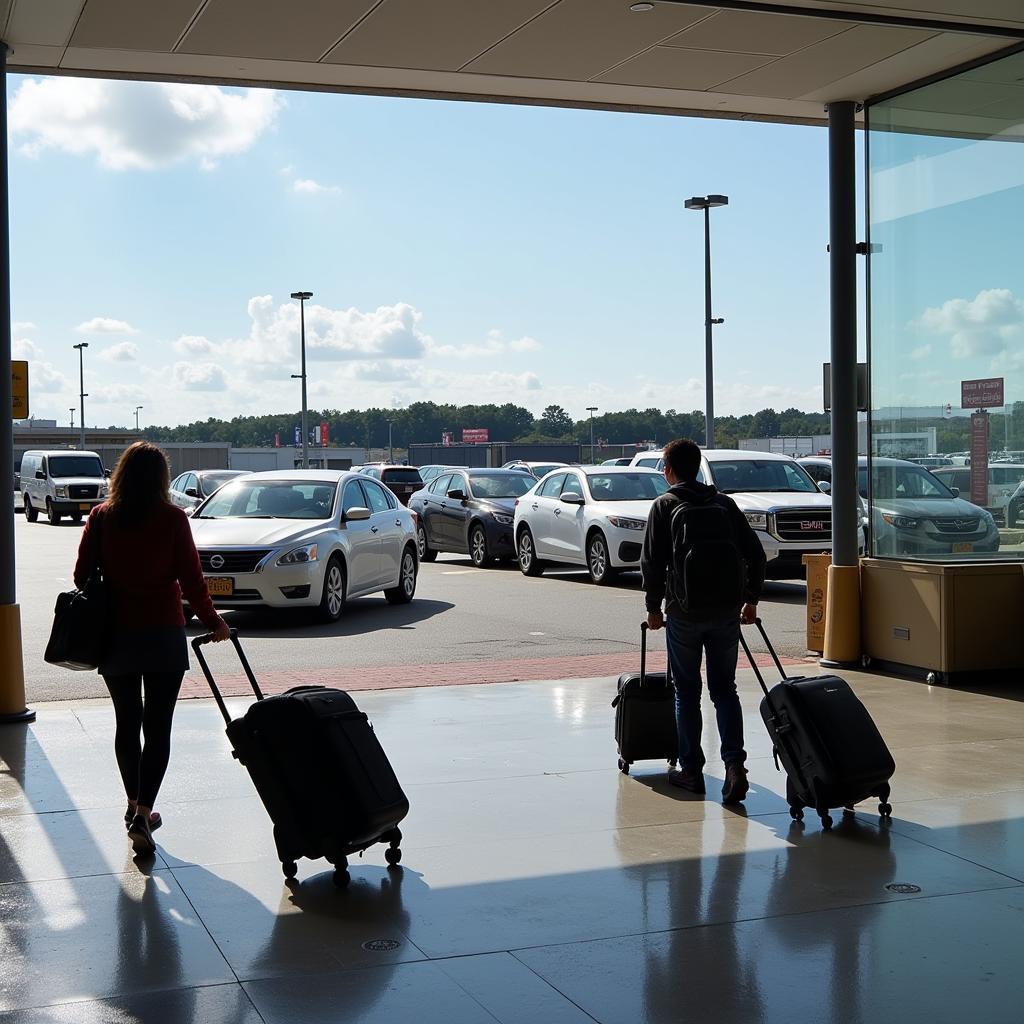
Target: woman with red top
[145,550]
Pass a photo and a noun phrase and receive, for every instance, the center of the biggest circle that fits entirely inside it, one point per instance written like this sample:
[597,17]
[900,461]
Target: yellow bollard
[842,618]
[817,598]
[12,670]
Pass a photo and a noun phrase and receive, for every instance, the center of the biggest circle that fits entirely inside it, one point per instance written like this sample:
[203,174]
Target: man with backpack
[705,562]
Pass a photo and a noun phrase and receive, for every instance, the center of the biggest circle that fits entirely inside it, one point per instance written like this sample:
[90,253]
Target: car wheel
[403,593]
[478,547]
[332,600]
[426,554]
[529,563]
[51,513]
[598,561]
[31,514]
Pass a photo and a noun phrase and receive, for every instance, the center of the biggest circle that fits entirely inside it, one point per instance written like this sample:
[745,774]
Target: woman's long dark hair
[140,484]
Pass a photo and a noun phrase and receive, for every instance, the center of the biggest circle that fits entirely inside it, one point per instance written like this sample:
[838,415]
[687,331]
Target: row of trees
[426,422]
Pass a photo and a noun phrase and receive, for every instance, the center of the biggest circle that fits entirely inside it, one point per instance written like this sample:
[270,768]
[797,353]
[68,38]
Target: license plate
[84,506]
[962,548]
[220,586]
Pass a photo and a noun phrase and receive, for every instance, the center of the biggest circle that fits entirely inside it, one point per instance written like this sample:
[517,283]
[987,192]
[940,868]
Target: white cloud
[105,325]
[139,125]
[25,348]
[494,344]
[389,332]
[921,352]
[311,187]
[193,345]
[20,326]
[199,377]
[122,352]
[982,326]
[525,344]
[383,371]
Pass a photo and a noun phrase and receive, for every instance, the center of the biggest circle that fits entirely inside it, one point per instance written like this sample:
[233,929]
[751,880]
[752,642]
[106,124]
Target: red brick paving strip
[453,673]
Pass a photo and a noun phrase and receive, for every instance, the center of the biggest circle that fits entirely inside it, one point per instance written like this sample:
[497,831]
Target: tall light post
[81,346]
[706,203]
[72,411]
[591,409]
[137,408]
[391,451]
[302,296]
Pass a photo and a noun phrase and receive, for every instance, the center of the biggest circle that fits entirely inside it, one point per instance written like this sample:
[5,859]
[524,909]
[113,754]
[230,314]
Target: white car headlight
[60,492]
[757,520]
[299,556]
[625,523]
[504,518]
[900,522]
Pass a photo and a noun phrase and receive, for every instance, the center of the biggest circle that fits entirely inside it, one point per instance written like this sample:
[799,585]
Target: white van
[649,460]
[63,482]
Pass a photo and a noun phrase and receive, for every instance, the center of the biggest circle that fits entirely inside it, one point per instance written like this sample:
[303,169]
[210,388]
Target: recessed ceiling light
[641,8]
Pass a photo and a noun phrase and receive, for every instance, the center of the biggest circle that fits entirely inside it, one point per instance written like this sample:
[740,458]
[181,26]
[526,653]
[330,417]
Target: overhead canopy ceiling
[676,57]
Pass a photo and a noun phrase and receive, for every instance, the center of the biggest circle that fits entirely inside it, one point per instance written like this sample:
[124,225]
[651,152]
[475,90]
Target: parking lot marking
[457,572]
[537,633]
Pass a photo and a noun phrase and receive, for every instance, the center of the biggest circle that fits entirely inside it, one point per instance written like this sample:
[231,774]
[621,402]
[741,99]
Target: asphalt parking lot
[465,625]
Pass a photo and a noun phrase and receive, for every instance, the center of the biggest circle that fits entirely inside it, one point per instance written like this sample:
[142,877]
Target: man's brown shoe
[736,785]
[691,781]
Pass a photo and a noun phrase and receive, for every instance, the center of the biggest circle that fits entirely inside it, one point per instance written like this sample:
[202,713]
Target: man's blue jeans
[686,642]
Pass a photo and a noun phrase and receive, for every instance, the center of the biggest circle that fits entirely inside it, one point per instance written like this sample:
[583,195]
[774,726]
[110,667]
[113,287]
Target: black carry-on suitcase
[645,716]
[829,746]
[319,769]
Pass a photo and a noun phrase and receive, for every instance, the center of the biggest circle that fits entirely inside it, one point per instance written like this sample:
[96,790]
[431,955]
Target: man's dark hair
[682,456]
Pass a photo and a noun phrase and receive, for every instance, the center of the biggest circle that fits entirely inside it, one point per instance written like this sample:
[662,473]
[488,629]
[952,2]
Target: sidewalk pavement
[538,883]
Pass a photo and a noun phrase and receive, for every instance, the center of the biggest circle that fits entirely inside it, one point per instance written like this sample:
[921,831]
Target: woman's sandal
[155,821]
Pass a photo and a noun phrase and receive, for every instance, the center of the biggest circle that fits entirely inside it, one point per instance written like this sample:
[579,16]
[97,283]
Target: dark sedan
[469,511]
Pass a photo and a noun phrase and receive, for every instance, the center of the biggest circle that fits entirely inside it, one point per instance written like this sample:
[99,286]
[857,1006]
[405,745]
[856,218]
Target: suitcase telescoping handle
[643,656]
[771,651]
[207,638]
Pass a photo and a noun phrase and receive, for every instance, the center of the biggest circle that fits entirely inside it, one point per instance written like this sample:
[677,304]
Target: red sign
[981,394]
[979,459]
[324,432]
[475,435]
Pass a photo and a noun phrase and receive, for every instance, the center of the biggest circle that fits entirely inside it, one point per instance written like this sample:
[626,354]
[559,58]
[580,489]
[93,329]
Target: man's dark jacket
[659,581]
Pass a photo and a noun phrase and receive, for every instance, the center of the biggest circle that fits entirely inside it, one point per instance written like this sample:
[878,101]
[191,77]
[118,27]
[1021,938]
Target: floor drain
[381,945]
[903,888]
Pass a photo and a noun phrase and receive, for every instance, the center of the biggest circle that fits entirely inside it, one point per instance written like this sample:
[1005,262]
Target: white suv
[63,482]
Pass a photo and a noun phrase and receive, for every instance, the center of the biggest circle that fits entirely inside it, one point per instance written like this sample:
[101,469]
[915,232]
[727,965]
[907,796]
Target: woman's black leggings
[142,766]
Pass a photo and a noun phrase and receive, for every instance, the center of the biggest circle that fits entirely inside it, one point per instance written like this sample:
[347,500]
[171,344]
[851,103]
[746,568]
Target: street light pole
[137,408]
[72,411]
[302,296]
[81,388]
[705,203]
[591,409]
[391,452]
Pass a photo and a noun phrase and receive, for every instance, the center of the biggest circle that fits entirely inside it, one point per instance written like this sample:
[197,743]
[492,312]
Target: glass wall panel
[946,318]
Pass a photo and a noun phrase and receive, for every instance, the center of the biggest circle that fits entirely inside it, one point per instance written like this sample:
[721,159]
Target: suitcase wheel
[623,766]
[826,821]
[885,809]
[290,869]
[341,877]
[849,812]
[796,814]
[393,855]
[673,762]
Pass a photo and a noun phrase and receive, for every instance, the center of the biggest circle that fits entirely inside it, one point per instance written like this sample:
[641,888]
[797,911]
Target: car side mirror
[572,498]
[191,492]
[40,475]
[955,491]
[356,514]
[457,494]
[824,486]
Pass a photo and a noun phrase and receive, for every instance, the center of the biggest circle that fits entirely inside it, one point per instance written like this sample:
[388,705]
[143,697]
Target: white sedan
[593,516]
[305,538]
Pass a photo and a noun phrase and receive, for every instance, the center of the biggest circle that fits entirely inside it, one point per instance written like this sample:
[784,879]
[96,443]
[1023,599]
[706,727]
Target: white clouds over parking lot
[105,325]
[199,377]
[139,125]
[308,186]
[983,326]
[122,352]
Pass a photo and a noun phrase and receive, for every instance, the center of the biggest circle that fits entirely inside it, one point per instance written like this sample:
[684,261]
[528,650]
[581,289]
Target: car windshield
[539,469]
[501,485]
[402,476]
[745,475]
[272,499]
[211,481]
[75,465]
[901,482]
[626,486]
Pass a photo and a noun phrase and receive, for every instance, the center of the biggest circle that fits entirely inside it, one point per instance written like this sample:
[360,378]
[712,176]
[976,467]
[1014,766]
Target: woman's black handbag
[81,620]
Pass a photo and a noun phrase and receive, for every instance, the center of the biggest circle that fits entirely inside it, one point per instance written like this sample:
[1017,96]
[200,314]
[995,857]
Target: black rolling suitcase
[319,769]
[645,716]
[829,746]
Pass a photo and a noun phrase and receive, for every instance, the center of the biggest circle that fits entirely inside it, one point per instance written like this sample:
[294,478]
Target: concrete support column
[842,633]
[12,671]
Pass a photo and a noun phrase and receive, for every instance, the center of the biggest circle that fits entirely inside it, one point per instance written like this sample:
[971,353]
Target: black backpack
[706,561]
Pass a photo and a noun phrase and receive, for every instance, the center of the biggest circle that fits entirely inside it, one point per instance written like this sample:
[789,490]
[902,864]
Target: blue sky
[457,252]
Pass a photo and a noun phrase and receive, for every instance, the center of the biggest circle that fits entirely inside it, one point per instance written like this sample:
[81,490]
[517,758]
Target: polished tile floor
[538,884]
